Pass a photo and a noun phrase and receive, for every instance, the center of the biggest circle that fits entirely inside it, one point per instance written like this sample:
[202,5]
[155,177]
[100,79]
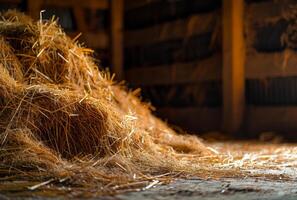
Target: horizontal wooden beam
[271,118]
[193,119]
[208,69]
[269,10]
[11,1]
[258,119]
[182,28]
[98,40]
[267,65]
[94,4]
[132,4]
[258,66]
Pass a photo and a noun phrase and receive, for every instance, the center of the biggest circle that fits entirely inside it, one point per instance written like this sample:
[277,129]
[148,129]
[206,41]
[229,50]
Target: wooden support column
[116,39]
[233,65]
[80,18]
[34,8]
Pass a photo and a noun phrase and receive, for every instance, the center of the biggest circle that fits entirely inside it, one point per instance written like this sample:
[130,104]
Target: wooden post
[34,8]
[233,65]
[116,39]
[79,18]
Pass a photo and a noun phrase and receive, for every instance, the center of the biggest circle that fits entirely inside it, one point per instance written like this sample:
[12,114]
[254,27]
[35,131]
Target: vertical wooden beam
[80,18]
[34,8]
[233,65]
[116,39]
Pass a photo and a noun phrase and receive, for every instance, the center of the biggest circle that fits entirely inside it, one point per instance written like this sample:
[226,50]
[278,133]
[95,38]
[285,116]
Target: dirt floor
[230,189]
[272,174]
[227,188]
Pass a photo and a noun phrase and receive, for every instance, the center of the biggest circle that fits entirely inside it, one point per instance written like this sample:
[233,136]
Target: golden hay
[62,117]
[64,120]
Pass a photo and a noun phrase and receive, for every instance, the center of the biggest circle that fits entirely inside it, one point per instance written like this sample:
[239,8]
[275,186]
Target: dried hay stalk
[62,117]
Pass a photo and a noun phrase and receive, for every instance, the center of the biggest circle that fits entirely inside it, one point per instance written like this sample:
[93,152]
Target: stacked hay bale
[62,117]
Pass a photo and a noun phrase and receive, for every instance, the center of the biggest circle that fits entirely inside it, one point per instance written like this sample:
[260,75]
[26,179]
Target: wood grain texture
[233,65]
[181,28]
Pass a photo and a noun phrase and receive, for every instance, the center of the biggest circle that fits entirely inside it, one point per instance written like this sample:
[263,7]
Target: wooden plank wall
[174,55]
[161,55]
[271,67]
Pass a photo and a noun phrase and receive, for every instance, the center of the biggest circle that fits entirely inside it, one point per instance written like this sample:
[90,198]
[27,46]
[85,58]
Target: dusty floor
[272,174]
[227,188]
[220,189]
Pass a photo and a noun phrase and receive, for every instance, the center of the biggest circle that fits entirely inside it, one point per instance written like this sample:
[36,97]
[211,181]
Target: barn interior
[193,99]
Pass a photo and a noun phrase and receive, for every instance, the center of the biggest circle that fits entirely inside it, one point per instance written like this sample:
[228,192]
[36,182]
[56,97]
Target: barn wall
[173,52]
[271,66]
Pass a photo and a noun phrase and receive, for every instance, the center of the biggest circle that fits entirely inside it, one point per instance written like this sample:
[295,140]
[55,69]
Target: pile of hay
[63,121]
[61,118]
